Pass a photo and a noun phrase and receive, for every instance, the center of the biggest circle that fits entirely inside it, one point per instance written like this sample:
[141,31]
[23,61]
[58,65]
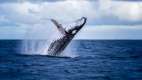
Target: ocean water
[97,60]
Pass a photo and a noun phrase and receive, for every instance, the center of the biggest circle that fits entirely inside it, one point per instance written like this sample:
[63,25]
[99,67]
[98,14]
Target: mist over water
[34,47]
[40,47]
[38,38]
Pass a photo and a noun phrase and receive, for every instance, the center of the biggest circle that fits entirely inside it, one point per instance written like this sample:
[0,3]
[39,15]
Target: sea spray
[38,38]
[40,47]
[70,51]
[34,47]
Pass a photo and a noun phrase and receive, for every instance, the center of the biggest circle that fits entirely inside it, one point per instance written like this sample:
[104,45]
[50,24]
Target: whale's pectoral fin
[59,26]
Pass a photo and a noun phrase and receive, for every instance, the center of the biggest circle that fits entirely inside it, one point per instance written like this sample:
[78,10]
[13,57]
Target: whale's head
[75,27]
[70,29]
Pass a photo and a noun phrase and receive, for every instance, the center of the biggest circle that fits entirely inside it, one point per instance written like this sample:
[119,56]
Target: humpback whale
[57,46]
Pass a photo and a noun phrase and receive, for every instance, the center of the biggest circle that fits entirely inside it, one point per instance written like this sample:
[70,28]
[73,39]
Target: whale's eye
[74,31]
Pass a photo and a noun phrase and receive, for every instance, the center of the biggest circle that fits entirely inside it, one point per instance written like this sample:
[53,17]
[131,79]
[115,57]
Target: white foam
[40,47]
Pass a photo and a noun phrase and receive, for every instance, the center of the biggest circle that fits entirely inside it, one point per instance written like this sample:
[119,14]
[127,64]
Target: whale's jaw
[58,45]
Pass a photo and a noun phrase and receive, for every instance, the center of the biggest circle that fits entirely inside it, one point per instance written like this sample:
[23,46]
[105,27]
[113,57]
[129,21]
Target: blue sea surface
[97,60]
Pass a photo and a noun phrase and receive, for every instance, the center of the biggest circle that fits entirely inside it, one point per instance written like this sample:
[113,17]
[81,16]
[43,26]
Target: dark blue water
[97,60]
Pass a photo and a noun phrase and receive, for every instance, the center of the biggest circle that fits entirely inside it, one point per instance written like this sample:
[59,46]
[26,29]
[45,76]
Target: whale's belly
[57,46]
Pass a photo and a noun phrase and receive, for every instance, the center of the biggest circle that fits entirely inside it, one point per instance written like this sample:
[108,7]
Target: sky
[107,19]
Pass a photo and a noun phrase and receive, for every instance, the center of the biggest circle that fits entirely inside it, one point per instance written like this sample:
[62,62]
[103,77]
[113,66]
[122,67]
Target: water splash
[38,39]
[40,47]
[34,47]
[68,52]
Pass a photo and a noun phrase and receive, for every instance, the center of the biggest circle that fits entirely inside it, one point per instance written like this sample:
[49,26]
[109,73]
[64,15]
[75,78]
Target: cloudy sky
[107,19]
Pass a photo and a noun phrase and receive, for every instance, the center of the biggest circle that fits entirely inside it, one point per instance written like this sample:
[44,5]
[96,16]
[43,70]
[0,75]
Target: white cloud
[67,10]
[31,13]
[34,17]
[123,10]
[129,11]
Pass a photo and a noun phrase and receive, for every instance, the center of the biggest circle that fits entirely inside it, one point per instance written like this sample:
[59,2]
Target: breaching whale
[57,46]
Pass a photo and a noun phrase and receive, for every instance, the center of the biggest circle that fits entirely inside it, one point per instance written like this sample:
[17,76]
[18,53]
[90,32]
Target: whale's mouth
[75,26]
